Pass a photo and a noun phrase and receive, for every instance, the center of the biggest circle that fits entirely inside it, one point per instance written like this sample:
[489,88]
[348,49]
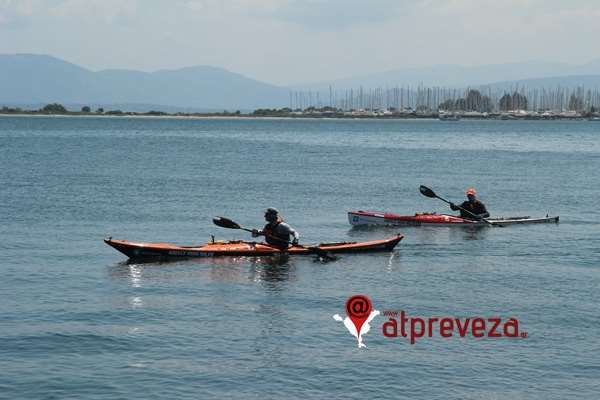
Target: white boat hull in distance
[362,218]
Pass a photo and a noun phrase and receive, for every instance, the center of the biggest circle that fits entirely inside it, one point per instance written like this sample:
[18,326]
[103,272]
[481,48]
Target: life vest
[274,237]
[475,207]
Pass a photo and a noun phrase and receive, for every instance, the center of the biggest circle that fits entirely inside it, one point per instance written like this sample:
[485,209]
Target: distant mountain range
[551,82]
[39,79]
[35,80]
[457,76]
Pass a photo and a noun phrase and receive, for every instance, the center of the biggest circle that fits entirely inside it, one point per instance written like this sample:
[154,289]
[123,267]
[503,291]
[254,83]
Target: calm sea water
[76,321]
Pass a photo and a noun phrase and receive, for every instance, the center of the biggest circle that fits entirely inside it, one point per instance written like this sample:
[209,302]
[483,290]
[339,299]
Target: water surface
[78,322]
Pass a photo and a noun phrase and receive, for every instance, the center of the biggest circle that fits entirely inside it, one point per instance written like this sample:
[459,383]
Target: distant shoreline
[208,117]
[57,110]
[231,116]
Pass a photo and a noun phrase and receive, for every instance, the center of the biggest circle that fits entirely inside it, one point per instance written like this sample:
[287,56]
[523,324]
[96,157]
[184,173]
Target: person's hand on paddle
[229,224]
[425,191]
[295,242]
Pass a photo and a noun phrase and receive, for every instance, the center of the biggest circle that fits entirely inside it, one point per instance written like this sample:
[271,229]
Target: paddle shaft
[313,249]
[229,224]
[270,236]
[465,210]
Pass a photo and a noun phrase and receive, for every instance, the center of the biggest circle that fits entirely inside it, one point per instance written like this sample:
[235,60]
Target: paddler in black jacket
[276,232]
[473,205]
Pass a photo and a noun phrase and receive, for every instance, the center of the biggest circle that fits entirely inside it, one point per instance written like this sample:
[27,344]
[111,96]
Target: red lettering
[493,332]
[430,325]
[416,328]
[462,329]
[390,324]
[446,327]
[403,321]
[514,324]
[413,332]
[478,327]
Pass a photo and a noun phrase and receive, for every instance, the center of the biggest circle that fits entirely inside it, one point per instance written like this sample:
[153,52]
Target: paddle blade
[425,191]
[225,223]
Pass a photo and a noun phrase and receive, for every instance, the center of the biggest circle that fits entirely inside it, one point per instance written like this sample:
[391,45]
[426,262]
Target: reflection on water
[358,232]
[269,270]
[391,263]
[473,232]
[272,271]
[127,271]
[421,234]
[135,274]
[267,345]
[136,302]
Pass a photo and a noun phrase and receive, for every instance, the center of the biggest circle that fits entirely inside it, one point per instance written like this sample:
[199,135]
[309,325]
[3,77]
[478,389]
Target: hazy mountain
[571,81]
[37,80]
[458,76]
[29,79]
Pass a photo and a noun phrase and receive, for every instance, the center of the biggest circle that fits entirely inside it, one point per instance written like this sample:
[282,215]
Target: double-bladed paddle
[425,191]
[229,224]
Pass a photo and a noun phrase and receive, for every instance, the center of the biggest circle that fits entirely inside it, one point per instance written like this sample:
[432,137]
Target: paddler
[473,205]
[276,232]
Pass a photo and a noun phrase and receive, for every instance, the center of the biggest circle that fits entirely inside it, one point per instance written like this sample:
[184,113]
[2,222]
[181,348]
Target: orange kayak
[136,250]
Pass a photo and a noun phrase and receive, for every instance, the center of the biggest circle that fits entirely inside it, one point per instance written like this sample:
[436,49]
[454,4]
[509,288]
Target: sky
[297,41]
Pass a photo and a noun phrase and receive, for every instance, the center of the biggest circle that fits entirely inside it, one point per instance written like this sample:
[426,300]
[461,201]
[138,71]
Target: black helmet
[272,211]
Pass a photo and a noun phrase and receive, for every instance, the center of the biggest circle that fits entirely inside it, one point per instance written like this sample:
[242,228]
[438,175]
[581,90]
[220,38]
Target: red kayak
[240,248]
[431,219]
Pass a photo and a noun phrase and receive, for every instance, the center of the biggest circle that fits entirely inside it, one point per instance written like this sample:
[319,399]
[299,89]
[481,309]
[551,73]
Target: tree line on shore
[424,101]
[59,109]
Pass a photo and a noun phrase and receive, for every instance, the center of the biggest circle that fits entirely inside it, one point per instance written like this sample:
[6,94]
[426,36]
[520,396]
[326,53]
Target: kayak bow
[136,250]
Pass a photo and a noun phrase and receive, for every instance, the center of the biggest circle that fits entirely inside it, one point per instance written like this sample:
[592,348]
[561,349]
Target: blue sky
[292,41]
